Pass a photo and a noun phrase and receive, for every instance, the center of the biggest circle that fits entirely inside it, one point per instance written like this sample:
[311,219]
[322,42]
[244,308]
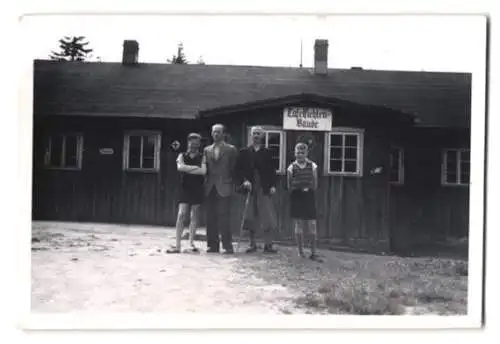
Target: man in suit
[220,158]
[256,172]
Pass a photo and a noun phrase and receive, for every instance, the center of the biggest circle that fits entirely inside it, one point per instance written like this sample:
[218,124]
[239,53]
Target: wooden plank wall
[442,214]
[102,191]
[422,210]
[350,210]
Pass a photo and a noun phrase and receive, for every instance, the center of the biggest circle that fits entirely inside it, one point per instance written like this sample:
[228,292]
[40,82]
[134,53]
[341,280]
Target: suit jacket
[246,164]
[220,171]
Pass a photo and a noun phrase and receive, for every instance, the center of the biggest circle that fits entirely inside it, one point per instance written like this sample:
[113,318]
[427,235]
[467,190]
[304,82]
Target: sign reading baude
[299,118]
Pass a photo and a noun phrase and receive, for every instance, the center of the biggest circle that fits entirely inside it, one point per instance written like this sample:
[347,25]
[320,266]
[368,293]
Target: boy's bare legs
[299,236]
[313,237]
[193,224]
[181,218]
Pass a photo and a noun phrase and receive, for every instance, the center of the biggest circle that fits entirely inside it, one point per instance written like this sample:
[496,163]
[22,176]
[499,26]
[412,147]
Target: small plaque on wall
[106,151]
[175,145]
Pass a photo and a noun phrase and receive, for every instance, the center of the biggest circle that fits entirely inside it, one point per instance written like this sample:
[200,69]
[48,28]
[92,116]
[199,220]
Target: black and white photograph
[274,165]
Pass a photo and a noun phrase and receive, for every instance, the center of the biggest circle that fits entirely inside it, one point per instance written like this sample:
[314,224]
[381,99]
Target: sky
[430,43]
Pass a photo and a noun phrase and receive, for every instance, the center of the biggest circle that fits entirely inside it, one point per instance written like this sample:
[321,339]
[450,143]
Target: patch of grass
[311,301]
[324,289]
[433,297]
[389,288]
[361,299]
[364,306]
[446,267]
[462,269]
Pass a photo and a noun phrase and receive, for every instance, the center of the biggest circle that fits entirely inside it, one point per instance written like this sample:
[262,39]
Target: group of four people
[210,176]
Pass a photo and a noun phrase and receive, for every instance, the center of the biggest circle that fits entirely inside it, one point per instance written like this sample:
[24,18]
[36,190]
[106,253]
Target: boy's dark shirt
[192,181]
[249,160]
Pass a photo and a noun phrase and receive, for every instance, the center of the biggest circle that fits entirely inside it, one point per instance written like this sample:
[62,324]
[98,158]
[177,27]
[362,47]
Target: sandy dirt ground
[97,267]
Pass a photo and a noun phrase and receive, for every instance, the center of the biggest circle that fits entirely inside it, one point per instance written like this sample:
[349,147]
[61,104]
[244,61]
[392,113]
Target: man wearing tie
[220,158]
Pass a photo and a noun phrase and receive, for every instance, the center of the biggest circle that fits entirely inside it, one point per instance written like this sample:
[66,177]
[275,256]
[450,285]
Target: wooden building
[392,146]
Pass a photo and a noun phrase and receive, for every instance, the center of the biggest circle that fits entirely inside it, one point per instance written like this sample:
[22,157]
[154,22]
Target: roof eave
[329,101]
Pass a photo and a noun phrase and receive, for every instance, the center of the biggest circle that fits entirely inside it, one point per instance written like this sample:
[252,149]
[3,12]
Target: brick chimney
[321,57]
[130,52]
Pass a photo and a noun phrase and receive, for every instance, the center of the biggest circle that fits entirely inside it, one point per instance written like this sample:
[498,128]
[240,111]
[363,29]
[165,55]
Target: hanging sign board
[307,119]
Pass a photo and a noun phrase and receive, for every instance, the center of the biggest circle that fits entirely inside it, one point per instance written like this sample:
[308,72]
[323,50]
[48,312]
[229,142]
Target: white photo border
[30,320]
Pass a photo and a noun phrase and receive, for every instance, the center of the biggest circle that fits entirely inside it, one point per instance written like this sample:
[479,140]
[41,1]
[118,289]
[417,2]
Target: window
[456,167]
[275,141]
[396,166]
[141,151]
[344,152]
[64,151]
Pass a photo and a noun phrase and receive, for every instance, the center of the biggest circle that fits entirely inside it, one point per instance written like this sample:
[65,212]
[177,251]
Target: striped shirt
[302,176]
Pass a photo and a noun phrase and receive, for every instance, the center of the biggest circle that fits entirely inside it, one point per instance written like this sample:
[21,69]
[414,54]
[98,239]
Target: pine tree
[72,49]
[200,61]
[180,58]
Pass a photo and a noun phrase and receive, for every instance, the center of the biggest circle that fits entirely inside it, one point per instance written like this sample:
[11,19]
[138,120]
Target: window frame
[359,132]
[79,152]
[444,171]
[276,130]
[126,150]
[401,167]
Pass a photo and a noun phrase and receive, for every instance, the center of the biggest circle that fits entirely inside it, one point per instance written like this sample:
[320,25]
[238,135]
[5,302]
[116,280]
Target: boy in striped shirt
[302,181]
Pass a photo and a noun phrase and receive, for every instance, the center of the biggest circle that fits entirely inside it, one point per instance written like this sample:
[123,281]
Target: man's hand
[272,190]
[247,185]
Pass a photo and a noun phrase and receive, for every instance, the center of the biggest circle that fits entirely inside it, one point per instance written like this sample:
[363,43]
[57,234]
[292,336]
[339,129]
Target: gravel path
[83,267]
[103,268]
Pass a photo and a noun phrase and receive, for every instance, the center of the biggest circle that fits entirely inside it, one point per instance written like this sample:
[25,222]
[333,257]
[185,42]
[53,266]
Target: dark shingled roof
[182,91]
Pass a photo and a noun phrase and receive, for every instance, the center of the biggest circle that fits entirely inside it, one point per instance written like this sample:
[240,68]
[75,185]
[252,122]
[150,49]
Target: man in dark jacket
[256,173]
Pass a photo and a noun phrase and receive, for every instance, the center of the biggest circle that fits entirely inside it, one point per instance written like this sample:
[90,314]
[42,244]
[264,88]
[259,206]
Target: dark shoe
[228,252]
[301,254]
[315,258]
[211,250]
[251,249]
[270,249]
[173,250]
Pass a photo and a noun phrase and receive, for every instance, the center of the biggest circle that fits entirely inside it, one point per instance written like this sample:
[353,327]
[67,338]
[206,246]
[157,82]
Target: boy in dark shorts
[302,180]
[192,167]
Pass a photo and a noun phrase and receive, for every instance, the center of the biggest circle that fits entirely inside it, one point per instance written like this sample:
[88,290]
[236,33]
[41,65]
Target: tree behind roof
[72,49]
[200,61]
[180,58]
